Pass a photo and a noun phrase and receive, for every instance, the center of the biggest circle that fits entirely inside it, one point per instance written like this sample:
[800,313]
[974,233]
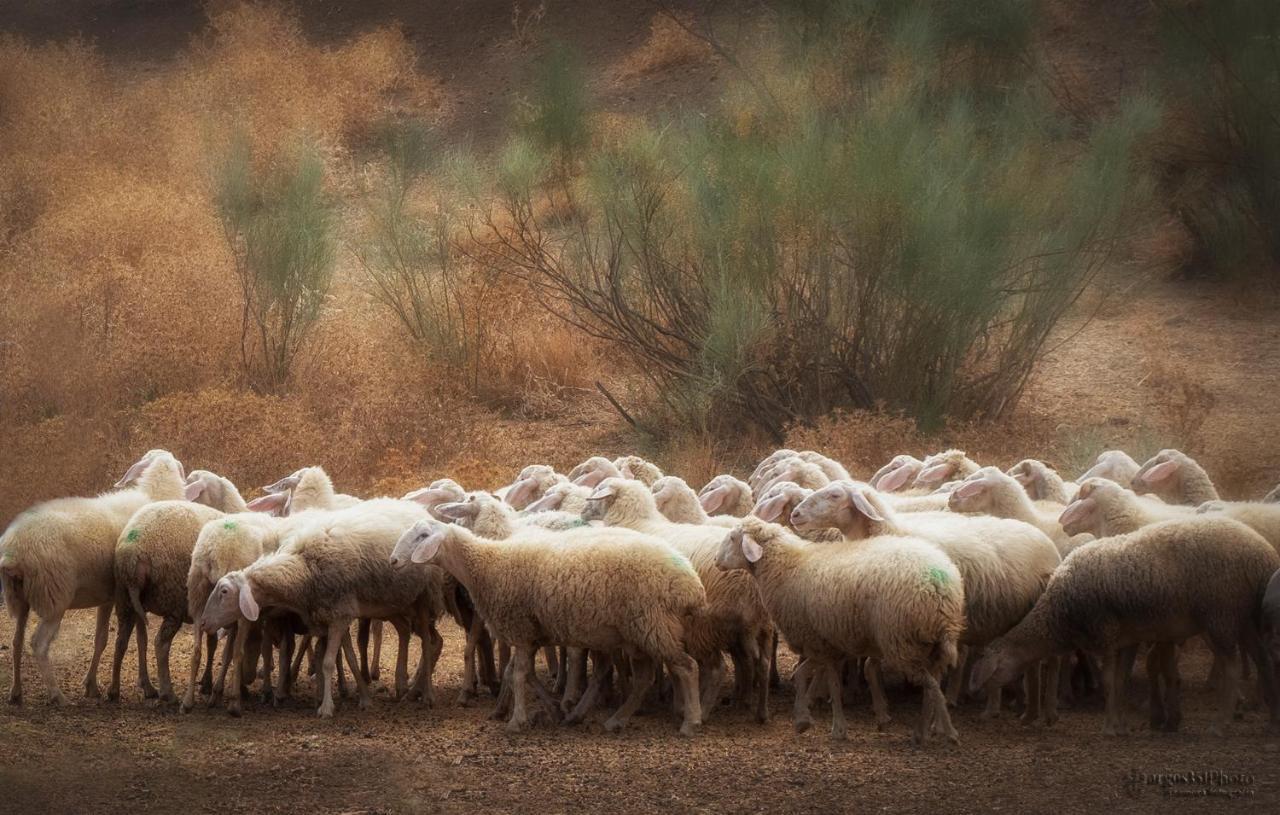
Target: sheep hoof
[517,726]
[690,729]
[762,717]
[15,697]
[92,691]
[149,692]
[57,699]
[465,697]
[612,725]
[325,711]
[206,687]
[1050,719]
[803,724]
[365,703]
[113,695]
[375,674]
[953,739]
[167,698]
[840,734]
[186,706]
[990,715]
[233,708]
[882,724]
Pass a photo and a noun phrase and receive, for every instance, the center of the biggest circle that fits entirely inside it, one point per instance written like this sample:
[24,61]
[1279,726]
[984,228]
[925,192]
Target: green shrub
[280,225]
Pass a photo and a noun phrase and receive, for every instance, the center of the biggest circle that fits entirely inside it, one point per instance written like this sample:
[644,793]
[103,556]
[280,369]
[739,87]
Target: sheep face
[1085,513]
[844,505]
[552,499]
[975,494]
[718,493]
[204,487]
[1114,465]
[999,662]
[598,503]
[738,550]
[769,461]
[287,483]
[462,513]
[895,475]
[440,492]
[1162,474]
[1031,474]
[140,466]
[419,543]
[592,471]
[667,489]
[938,469]
[231,599]
[777,505]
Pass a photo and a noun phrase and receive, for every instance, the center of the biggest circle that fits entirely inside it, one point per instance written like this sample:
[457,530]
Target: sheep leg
[362,687]
[468,691]
[304,648]
[484,653]
[1031,690]
[835,688]
[775,679]
[206,681]
[502,705]
[934,711]
[220,683]
[328,665]
[19,643]
[762,683]
[805,678]
[124,631]
[576,660]
[684,673]
[1114,688]
[362,637]
[270,639]
[879,703]
[46,631]
[1172,691]
[553,661]
[1053,672]
[426,667]
[100,634]
[189,697]
[375,667]
[1228,683]
[544,694]
[1268,687]
[504,658]
[591,696]
[239,645]
[641,681]
[286,658]
[520,663]
[164,642]
[955,681]
[562,678]
[144,677]
[711,675]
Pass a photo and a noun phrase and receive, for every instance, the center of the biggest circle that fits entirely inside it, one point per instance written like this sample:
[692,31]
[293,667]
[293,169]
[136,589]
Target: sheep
[757,476]
[796,470]
[1103,508]
[1113,465]
[440,491]
[736,621]
[1005,564]
[1164,583]
[1175,478]
[678,503]
[991,492]
[899,600]
[945,466]
[311,488]
[832,469]
[1261,517]
[565,496]
[531,484]
[726,495]
[152,560]
[333,570]
[597,589]
[1041,482]
[777,504]
[594,470]
[898,473]
[635,467]
[57,556]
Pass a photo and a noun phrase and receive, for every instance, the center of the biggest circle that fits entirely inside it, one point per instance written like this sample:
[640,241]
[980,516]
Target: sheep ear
[519,492]
[135,470]
[602,492]
[551,500]
[427,496]
[893,480]
[625,470]
[713,500]
[590,478]
[248,605]
[751,549]
[968,489]
[1075,511]
[428,548]
[1160,472]
[284,484]
[770,509]
[458,511]
[864,505]
[935,473]
[270,504]
[193,491]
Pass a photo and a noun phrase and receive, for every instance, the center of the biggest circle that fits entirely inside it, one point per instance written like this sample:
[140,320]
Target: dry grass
[669,44]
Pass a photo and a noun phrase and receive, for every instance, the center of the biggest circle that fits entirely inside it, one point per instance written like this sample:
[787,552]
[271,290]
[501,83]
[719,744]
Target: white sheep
[311,488]
[531,484]
[598,589]
[898,473]
[565,497]
[737,621]
[757,476]
[1005,564]
[678,503]
[1263,518]
[991,492]
[780,501]
[1103,508]
[895,599]
[57,556]
[332,570]
[1175,478]
[646,472]
[1042,483]
[796,470]
[949,465]
[152,560]
[726,495]
[1113,465]
[1164,583]
[594,470]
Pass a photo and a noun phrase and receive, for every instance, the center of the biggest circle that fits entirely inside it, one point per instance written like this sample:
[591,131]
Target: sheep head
[231,599]
[1085,513]
[944,466]
[895,475]
[151,457]
[1115,465]
[777,505]
[739,549]
[1161,474]
[977,492]
[850,506]
[419,543]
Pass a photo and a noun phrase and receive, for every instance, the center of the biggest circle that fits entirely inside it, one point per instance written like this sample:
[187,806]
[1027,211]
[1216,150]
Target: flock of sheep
[948,574]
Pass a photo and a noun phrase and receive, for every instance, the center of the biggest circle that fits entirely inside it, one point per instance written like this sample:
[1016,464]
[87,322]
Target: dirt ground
[136,757]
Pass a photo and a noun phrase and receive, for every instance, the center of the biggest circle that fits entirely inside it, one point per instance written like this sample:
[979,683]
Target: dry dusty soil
[136,757]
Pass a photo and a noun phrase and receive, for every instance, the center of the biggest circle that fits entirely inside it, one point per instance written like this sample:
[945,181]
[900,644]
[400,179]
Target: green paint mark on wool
[681,561]
[133,535]
[228,524]
[937,576]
